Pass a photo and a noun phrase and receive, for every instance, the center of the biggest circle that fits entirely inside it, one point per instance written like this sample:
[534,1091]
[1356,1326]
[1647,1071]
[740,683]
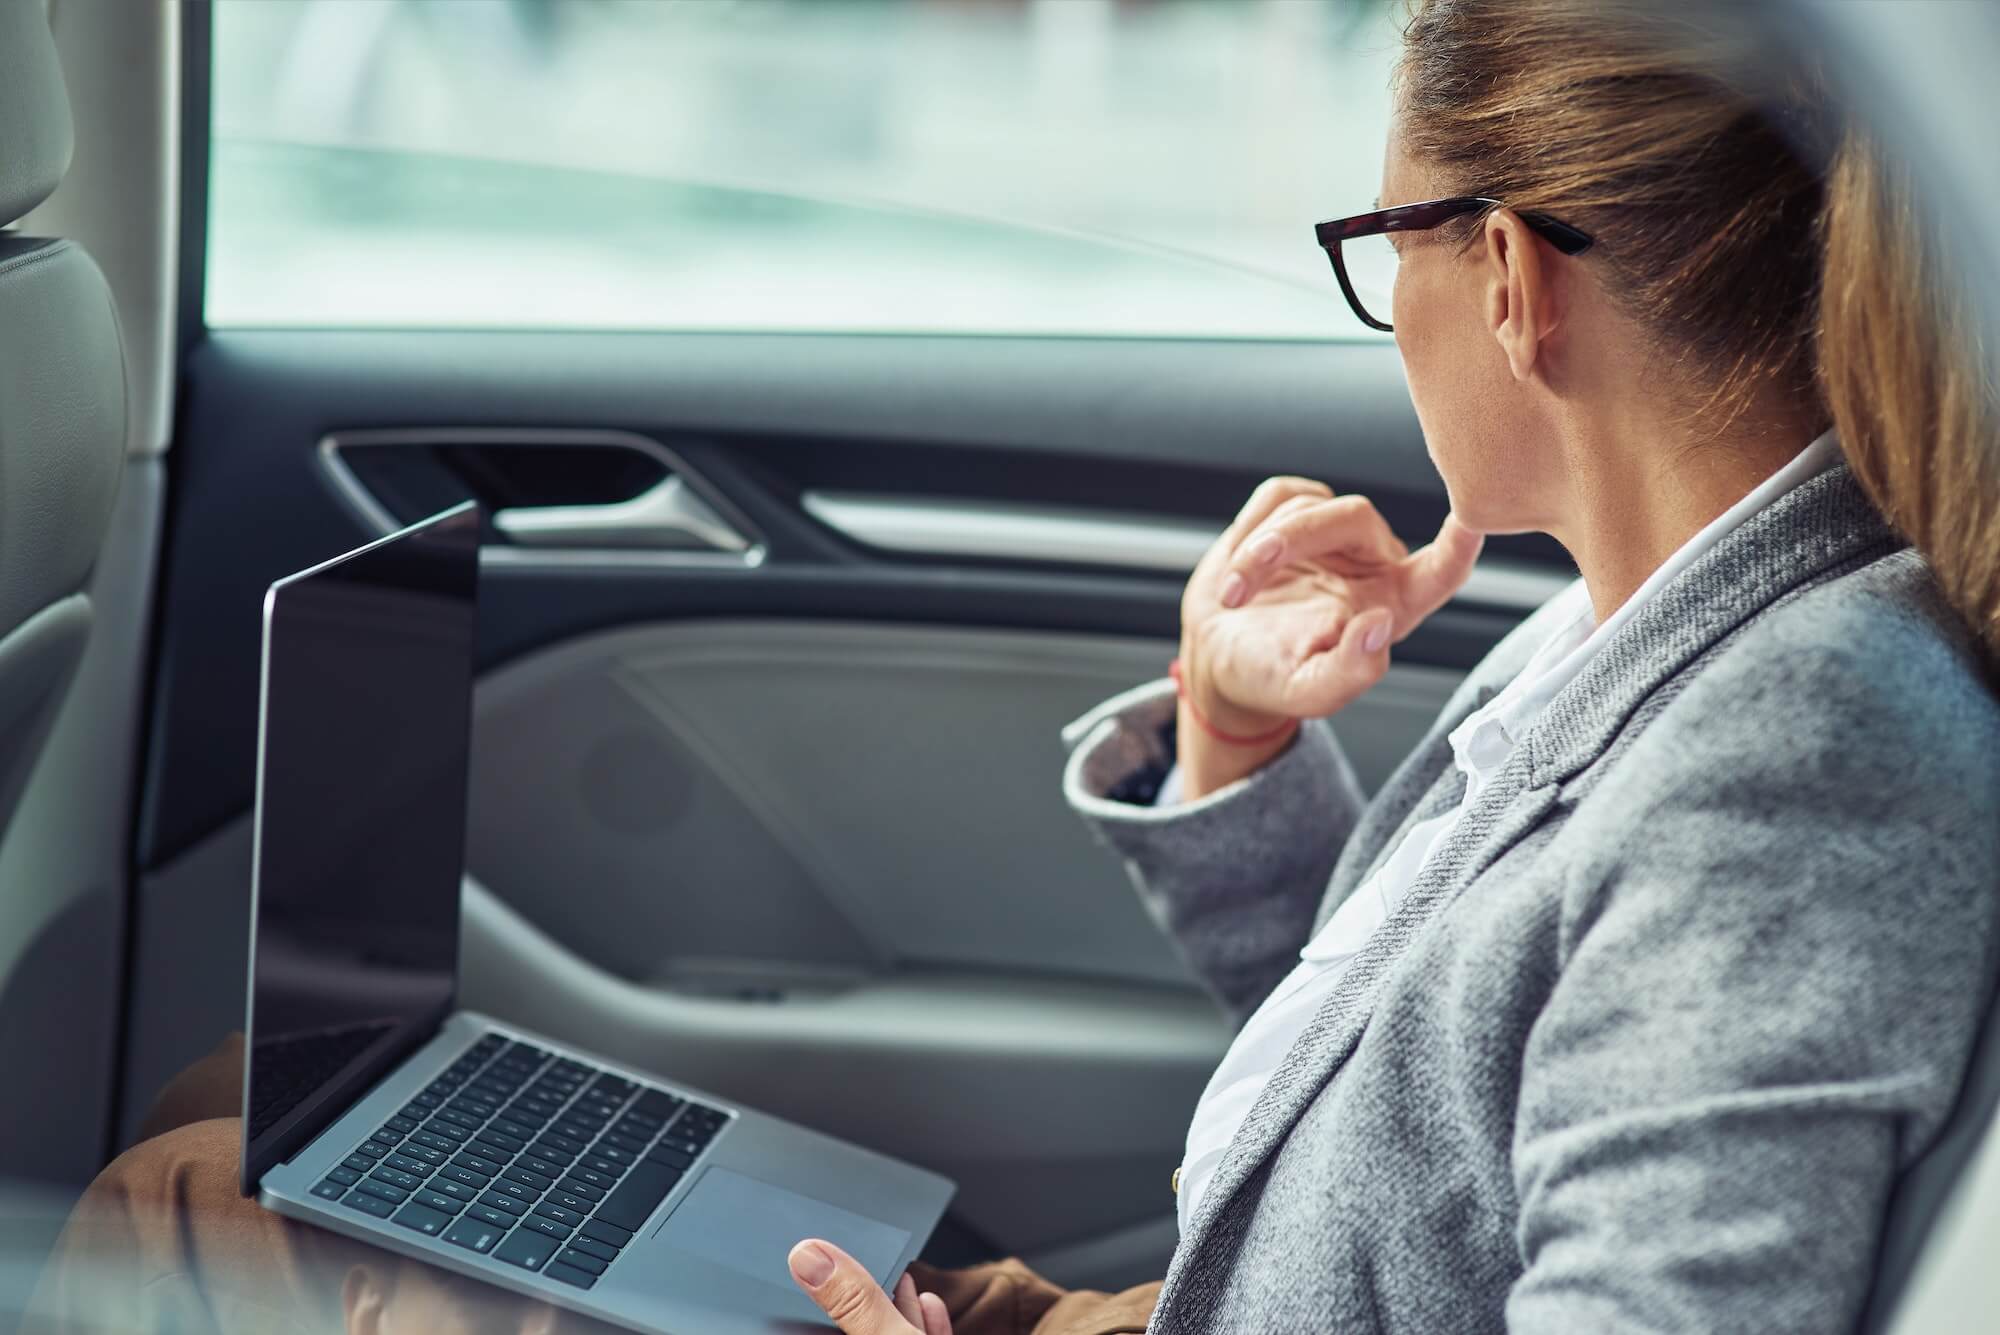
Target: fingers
[846,1292]
[1434,573]
[1345,526]
[1334,678]
[1271,493]
[937,1321]
[906,1301]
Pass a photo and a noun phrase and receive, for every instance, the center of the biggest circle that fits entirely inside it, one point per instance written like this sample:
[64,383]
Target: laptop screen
[360,825]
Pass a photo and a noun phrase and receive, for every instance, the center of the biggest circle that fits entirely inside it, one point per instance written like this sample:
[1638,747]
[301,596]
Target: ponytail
[1909,387]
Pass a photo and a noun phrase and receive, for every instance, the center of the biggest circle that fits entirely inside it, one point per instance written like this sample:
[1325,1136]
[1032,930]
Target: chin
[1489,511]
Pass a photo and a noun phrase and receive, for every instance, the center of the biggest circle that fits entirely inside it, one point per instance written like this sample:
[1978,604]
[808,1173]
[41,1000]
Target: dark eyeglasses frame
[1421,218]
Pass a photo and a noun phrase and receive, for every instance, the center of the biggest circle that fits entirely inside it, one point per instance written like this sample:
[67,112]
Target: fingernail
[1232,590]
[811,1265]
[1265,549]
[1376,638]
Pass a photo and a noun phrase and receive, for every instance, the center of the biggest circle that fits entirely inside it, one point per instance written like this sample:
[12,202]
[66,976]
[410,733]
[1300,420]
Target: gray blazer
[1652,1036]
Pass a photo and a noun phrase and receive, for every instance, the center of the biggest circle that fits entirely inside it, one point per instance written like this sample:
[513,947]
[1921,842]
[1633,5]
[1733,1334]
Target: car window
[1076,167]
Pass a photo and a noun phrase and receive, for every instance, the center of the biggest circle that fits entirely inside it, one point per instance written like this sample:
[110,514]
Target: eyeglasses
[1365,260]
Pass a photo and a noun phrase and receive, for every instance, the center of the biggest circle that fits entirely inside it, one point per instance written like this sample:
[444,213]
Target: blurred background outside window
[1067,167]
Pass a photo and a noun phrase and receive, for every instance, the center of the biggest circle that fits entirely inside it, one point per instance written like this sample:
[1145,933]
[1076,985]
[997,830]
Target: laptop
[375,1107]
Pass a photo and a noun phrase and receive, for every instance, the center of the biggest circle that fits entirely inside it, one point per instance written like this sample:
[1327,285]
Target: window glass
[1086,167]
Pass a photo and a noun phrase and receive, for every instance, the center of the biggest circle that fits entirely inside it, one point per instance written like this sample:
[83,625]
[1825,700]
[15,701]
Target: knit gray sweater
[1653,1034]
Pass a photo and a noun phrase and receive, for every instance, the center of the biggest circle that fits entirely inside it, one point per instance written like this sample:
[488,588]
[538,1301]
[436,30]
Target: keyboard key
[612,1087]
[569,1274]
[360,1163]
[403,1124]
[535,1163]
[368,1204]
[393,1195]
[528,1250]
[671,1158]
[582,1260]
[403,1163]
[609,1234]
[597,1163]
[618,1142]
[569,1186]
[486,1214]
[423,1219]
[569,1128]
[438,1201]
[344,1175]
[519,1191]
[422,1152]
[570,1201]
[407,1181]
[602,1251]
[413,1114]
[543,1224]
[475,1234]
[437,1126]
[370,1149]
[458,1174]
[432,1141]
[542,1149]
[567,1218]
[486,1149]
[472,1106]
[457,1118]
[426,1102]
[507,1203]
[656,1103]
[458,1191]
[527,1179]
[331,1189]
[506,1143]
[635,1198]
[594,1177]
[613,1153]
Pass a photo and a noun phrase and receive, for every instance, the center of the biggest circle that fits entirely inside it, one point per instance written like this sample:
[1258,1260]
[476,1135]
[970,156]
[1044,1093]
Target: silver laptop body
[375,1108]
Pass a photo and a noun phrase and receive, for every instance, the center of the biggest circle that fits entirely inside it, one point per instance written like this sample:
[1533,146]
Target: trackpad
[751,1227]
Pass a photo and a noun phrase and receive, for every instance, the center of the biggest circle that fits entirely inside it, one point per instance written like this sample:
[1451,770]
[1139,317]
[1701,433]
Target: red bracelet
[1260,739]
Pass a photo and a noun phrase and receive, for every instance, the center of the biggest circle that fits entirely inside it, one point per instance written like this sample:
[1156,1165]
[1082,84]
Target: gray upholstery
[35,133]
[62,408]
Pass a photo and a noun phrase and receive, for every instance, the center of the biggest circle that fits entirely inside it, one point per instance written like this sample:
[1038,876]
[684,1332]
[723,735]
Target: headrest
[35,133]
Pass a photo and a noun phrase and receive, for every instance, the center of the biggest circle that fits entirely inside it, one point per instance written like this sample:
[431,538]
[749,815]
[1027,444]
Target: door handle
[669,515]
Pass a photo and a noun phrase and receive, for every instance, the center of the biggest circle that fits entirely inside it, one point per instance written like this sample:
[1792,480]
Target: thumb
[1435,572]
[844,1291]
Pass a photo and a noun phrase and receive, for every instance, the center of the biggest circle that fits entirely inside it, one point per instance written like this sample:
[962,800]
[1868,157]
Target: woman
[1629,998]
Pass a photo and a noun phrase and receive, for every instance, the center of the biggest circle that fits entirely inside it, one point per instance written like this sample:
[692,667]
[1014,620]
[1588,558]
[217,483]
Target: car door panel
[786,821]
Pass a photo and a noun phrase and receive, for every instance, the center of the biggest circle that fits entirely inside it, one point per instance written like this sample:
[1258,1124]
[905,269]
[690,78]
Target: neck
[1640,489]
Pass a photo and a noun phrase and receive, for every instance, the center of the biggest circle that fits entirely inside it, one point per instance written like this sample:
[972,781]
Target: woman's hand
[1290,615]
[856,1303]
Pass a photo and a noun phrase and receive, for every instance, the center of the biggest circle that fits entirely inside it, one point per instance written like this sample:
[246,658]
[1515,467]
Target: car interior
[784,605]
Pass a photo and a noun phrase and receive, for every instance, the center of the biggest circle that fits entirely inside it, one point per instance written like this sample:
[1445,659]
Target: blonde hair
[1761,246]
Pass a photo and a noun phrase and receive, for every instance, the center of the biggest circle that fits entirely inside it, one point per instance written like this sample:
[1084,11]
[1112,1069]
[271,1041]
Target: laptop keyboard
[546,1163]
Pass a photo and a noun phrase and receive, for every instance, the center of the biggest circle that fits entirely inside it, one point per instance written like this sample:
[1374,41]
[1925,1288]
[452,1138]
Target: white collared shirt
[1480,746]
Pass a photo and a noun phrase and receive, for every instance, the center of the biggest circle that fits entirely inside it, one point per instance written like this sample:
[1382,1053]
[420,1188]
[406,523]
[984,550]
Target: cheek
[1457,377]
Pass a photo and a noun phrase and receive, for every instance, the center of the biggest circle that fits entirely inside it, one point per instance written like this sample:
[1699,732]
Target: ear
[1524,303]
[364,1300]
